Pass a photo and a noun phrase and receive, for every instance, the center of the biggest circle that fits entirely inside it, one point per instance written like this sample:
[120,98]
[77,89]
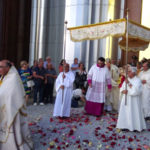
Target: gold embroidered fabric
[139,36]
[11,92]
[1,79]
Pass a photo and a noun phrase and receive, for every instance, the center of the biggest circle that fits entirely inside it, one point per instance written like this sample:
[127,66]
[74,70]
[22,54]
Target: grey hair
[108,60]
[133,69]
[48,57]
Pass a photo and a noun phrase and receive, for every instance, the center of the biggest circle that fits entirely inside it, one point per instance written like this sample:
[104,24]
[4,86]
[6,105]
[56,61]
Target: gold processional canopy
[138,35]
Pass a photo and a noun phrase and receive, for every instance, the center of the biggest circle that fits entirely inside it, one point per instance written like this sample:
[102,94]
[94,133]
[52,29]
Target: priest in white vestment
[114,81]
[64,89]
[131,116]
[112,98]
[145,78]
[98,78]
[14,132]
[108,100]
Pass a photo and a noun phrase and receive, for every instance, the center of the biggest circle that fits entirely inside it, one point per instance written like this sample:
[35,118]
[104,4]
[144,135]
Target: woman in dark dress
[80,77]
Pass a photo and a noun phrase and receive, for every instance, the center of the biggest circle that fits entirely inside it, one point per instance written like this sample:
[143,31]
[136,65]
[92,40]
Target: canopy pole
[65,34]
[109,44]
[64,53]
[126,54]
[109,47]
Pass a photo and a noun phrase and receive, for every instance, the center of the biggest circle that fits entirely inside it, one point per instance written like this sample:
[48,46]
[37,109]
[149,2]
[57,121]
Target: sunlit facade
[111,10]
[79,13]
[35,29]
[47,28]
[146,22]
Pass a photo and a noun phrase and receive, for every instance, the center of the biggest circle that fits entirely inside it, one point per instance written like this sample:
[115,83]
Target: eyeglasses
[3,66]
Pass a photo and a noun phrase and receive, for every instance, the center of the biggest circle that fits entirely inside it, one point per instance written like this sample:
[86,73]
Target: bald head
[66,67]
[4,67]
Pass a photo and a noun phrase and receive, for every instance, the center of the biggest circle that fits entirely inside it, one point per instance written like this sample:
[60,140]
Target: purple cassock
[99,77]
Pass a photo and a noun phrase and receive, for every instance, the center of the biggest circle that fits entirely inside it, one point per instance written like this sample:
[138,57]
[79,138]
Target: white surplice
[100,78]
[131,115]
[63,98]
[14,132]
[145,75]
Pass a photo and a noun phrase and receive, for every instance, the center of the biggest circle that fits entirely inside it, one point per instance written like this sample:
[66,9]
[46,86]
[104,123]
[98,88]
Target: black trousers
[74,102]
[38,88]
[49,92]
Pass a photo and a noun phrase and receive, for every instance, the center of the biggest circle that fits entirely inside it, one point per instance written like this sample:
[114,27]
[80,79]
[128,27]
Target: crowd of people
[106,86]
[43,75]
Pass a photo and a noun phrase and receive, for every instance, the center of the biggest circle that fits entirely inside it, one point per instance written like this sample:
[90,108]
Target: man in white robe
[115,89]
[98,78]
[112,98]
[64,88]
[131,116]
[14,133]
[145,78]
[108,100]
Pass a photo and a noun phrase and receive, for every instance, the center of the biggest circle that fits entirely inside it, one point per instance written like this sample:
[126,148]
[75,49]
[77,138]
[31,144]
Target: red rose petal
[77,142]
[103,136]
[51,120]
[130,139]
[113,143]
[123,137]
[56,140]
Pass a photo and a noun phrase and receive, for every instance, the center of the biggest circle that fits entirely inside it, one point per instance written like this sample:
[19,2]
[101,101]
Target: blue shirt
[75,66]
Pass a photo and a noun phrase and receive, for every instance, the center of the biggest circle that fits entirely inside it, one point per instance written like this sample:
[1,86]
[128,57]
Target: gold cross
[2,77]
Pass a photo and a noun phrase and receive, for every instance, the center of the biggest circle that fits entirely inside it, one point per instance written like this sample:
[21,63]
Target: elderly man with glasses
[14,133]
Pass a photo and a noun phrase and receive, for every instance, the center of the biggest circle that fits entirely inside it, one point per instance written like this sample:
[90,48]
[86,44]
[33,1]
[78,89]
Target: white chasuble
[115,88]
[14,133]
[131,115]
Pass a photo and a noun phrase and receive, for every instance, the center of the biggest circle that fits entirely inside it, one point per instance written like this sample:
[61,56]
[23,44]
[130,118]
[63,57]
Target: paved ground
[82,132]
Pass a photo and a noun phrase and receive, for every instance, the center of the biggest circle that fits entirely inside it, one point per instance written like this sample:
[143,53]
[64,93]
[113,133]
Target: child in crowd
[78,98]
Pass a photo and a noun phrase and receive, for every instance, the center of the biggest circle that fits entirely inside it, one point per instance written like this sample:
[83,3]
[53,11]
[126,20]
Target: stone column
[115,47]
[93,49]
[47,29]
